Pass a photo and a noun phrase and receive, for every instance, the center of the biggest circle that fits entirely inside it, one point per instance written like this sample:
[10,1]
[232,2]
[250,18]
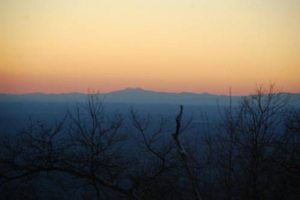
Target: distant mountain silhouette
[135,96]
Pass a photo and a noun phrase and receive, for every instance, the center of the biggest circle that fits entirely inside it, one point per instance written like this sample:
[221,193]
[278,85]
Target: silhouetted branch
[183,154]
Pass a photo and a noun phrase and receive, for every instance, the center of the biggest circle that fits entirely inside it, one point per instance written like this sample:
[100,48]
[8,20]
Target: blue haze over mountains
[130,95]
[15,110]
[135,96]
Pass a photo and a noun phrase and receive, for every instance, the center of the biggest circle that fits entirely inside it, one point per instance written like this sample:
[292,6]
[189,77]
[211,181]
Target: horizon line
[134,88]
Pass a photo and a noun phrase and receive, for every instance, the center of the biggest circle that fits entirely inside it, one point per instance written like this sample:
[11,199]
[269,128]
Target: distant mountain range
[135,96]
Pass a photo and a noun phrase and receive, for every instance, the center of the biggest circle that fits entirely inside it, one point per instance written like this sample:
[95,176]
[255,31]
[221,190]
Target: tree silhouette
[246,148]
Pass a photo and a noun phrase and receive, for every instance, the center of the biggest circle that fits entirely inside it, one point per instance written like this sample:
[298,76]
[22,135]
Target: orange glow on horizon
[172,46]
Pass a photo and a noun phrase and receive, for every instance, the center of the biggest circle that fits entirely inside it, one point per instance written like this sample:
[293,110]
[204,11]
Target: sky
[57,46]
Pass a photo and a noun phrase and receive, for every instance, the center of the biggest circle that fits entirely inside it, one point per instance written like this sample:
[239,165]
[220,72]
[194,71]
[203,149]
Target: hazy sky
[57,46]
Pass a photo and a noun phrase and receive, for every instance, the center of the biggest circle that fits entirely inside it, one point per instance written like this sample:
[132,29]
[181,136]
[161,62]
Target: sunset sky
[60,46]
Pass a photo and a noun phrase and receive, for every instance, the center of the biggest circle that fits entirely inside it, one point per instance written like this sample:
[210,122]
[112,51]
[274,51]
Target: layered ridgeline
[136,96]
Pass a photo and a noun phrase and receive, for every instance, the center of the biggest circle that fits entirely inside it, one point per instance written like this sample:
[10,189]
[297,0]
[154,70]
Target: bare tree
[244,145]
[89,149]
[183,154]
[163,176]
[287,160]
[96,145]
[258,127]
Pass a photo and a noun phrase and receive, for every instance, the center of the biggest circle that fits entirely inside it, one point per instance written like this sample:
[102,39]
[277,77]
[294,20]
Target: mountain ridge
[135,96]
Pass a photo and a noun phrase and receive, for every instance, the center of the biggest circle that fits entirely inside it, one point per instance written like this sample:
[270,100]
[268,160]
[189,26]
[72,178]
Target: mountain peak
[134,89]
[206,93]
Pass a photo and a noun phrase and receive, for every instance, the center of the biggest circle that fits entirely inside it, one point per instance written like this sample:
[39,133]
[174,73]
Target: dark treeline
[252,153]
